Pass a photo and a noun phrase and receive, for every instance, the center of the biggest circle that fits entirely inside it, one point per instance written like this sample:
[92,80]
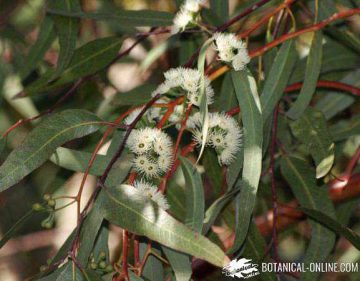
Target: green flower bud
[102,255]
[51,203]
[37,207]
[93,265]
[47,197]
[109,268]
[43,268]
[102,265]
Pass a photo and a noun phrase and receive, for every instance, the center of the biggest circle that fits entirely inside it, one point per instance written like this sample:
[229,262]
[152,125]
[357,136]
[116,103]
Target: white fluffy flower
[150,191]
[224,135]
[150,147]
[232,50]
[187,13]
[182,20]
[188,81]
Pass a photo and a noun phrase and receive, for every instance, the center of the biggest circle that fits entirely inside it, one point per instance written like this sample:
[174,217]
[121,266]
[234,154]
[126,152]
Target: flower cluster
[224,135]
[187,14]
[151,192]
[232,50]
[185,80]
[153,151]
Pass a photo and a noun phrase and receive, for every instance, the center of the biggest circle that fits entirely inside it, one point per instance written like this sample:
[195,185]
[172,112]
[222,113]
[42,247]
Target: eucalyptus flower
[224,135]
[153,151]
[232,50]
[151,192]
[186,81]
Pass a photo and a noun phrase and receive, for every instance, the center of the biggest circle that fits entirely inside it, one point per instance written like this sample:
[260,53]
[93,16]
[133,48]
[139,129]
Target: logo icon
[241,268]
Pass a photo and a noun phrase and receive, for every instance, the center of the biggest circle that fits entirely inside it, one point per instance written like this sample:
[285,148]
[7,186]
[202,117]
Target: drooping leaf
[278,78]
[301,178]
[334,225]
[67,272]
[213,171]
[246,92]
[43,42]
[311,130]
[124,17]
[195,201]
[154,269]
[86,60]
[42,142]
[226,99]
[137,96]
[220,8]
[180,263]
[91,275]
[255,248]
[204,110]
[233,171]
[129,209]
[312,73]
[345,36]
[216,207]
[345,129]
[67,31]
[15,228]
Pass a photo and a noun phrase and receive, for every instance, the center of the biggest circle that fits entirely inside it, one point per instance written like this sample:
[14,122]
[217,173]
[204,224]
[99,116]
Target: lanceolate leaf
[195,201]
[124,17]
[334,225]
[312,73]
[254,248]
[45,39]
[180,263]
[129,209]
[67,30]
[278,78]
[301,179]
[311,130]
[216,207]
[345,129]
[42,142]
[220,8]
[246,92]
[86,60]
[136,96]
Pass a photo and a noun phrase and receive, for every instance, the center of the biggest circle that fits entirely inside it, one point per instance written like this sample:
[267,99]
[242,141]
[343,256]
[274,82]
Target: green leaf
[204,110]
[246,92]
[334,225]
[68,272]
[42,142]
[216,207]
[15,228]
[311,129]
[154,269]
[255,248]
[233,171]
[277,80]
[226,99]
[220,8]
[345,129]
[86,60]
[195,201]
[43,42]
[180,263]
[91,275]
[137,96]
[128,208]
[326,9]
[312,73]
[301,178]
[213,171]
[67,31]
[123,17]
[345,36]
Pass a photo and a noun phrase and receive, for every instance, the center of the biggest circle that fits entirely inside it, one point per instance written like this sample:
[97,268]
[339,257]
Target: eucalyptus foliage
[239,114]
